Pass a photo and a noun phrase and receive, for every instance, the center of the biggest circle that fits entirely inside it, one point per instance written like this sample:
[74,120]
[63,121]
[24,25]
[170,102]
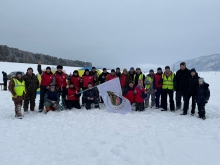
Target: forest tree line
[8,54]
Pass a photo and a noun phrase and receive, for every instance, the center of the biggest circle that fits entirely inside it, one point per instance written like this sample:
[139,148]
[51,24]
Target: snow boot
[183,114]
[54,108]
[203,118]
[40,110]
[47,109]
[18,112]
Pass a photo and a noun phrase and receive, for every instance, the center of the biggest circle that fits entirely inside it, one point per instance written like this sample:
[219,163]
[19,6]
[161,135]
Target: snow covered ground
[97,137]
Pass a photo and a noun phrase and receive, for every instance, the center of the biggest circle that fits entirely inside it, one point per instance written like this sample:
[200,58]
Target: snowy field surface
[97,137]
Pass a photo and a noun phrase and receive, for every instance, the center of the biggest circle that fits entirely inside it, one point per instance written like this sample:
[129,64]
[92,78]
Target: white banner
[112,96]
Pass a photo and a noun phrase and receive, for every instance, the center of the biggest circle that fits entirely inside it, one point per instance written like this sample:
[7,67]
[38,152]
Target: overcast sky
[112,33]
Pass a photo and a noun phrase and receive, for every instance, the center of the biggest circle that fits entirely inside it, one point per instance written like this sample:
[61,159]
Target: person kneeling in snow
[141,94]
[129,92]
[51,99]
[91,96]
[18,90]
[202,97]
[73,97]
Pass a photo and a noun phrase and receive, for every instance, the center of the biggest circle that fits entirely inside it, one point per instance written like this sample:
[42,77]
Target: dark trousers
[164,99]
[83,101]
[186,103]
[29,98]
[63,93]
[73,103]
[157,97]
[43,90]
[179,96]
[89,102]
[201,109]
[5,85]
[139,106]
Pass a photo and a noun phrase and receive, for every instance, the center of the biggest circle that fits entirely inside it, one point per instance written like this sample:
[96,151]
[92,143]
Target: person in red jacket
[46,80]
[129,92]
[124,79]
[73,97]
[141,94]
[157,85]
[76,79]
[86,79]
[111,76]
[60,80]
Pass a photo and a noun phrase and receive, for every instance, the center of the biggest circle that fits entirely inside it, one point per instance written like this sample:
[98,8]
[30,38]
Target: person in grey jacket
[150,89]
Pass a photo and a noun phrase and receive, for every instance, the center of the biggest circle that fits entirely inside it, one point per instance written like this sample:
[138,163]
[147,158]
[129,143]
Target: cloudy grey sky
[124,33]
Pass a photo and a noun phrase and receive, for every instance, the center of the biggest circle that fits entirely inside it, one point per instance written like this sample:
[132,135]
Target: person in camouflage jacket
[32,84]
[16,97]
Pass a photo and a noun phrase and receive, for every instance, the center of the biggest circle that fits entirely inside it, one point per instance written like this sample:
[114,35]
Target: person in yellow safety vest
[168,87]
[18,91]
[139,76]
[150,89]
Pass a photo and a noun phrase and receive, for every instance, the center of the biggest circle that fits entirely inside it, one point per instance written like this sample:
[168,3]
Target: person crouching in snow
[91,96]
[202,97]
[141,94]
[73,97]
[51,99]
[18,90]
[129,92]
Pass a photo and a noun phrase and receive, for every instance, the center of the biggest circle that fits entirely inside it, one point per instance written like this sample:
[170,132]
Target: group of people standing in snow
[136,87]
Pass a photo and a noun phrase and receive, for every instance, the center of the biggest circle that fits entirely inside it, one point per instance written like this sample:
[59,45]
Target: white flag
[112,96]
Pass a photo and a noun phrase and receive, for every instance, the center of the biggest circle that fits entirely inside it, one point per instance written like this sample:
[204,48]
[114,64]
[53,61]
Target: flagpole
[94,86]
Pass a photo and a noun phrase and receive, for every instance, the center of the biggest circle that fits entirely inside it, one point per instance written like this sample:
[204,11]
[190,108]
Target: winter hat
[159,68]
[117,68]
[183,63]
[29,69]
[202,79]
[52,86]
[132,68]
[75,71]
[151,70]
[131,82]
[93,67]
[2,71]
[104,69]
[48,68]
[87,70]
[125,70]
[112,70]
[71,83]
[193,70]
[18,73]
[167,67]
[59,67]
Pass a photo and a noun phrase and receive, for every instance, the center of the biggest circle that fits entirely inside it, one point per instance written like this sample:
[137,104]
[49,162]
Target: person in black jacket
[118,72]
[190,91]
[132,73]
[103,75]
[102,79]
[181,77]
[5,79]
[91,96]
[202,97]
